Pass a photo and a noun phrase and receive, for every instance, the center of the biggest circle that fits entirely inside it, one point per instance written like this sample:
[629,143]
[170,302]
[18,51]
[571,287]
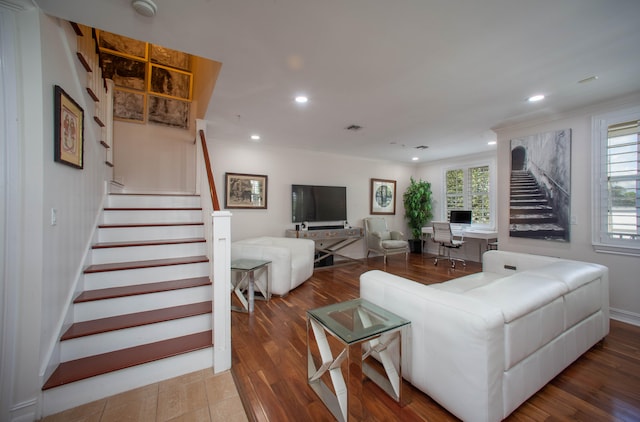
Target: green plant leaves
[417,205]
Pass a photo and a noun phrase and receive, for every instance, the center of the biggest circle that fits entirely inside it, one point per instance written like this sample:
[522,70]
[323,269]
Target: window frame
[599,223]
[467,193]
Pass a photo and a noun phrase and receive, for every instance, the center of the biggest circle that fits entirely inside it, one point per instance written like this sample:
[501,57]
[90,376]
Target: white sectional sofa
[482,344]
[291,260]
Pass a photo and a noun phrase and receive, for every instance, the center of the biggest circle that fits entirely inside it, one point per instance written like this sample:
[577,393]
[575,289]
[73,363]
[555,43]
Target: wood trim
[91,366]
[207,164]
[84,62]
[76,29]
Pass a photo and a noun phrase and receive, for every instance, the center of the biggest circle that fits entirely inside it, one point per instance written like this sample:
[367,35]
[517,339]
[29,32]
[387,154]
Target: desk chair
[382,240]
[444,237]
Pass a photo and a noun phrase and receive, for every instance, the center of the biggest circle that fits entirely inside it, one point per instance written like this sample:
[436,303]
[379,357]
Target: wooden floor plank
[270,344]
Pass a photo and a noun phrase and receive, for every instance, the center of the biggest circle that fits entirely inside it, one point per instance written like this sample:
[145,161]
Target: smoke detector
[145,7]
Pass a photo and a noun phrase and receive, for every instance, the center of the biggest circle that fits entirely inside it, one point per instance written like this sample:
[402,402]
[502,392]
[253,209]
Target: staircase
[146,310]
[531,214]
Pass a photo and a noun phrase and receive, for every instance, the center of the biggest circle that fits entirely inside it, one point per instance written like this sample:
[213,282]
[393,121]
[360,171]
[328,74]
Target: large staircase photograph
[532,215]
[145,311]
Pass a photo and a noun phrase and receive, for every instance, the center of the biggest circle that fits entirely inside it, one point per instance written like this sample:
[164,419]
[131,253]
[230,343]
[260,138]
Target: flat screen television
[460,217]
[318,203]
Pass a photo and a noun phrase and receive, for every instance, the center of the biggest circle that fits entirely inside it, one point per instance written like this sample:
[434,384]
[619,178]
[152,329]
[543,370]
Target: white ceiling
[436,73]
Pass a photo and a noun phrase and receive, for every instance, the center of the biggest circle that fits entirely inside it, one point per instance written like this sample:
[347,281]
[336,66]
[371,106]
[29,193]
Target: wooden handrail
[207,164]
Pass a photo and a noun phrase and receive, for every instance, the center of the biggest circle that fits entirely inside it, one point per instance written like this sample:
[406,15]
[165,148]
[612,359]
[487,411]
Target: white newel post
[221,315]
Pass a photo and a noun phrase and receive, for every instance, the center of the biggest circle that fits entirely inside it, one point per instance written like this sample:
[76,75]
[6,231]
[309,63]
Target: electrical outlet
[54,216]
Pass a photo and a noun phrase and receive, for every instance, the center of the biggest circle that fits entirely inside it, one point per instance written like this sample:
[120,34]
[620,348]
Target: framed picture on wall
[69,130]
[383,197]
[168,112]
[124,71]
[245,191]
[171,58]
[129,105]
[122,45]
[170,82]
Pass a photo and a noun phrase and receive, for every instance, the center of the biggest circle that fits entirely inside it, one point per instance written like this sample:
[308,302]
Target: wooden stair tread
[132,225]
[119,322]
[132,265]
[139,289]
[105,245]
[91,366]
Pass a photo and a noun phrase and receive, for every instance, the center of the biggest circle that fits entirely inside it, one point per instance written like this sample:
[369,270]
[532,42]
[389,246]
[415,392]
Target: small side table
[248,268]
[363,329]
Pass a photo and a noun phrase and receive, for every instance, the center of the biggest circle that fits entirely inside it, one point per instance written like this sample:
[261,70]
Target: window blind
[623,182]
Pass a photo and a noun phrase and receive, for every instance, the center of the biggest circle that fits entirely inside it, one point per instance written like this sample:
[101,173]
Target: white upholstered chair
[382,240]
[291,260]
[443,236]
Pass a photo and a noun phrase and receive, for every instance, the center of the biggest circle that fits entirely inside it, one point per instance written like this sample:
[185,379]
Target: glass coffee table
[247,282]
[363,331]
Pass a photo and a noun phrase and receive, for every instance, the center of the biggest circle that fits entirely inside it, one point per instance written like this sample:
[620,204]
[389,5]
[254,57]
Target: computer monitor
[460,217]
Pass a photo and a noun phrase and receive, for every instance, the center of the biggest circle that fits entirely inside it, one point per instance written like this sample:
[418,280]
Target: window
[469,189]
[616,157]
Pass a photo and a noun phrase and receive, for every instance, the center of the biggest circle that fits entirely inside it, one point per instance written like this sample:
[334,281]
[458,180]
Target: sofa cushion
[468,282]
[573,273]
[394,244]
[507,293]
[527,334]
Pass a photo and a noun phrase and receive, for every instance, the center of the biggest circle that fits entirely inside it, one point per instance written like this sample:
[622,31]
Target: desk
[483,235]
[362,329]
[338,239]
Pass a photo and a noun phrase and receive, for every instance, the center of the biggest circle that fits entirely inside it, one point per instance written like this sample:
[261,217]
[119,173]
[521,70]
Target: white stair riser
[143,253]
[151,216]
[153,201]
[86,311]
[121,339]
[127,234]
[121,278]
[74,394]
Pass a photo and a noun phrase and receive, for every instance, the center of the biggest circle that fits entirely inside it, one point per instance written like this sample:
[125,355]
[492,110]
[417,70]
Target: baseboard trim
[625,316]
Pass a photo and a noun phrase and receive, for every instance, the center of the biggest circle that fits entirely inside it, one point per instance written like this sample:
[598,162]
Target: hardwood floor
[270,361]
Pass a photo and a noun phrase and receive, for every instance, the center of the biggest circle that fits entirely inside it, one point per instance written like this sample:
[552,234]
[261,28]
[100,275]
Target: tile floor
[198,396]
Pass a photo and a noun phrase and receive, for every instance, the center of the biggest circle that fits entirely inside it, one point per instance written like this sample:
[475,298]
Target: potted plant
[417,210]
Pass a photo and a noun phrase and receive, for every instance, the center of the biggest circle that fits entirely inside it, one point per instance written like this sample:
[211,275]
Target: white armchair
[382,240]
[291,260]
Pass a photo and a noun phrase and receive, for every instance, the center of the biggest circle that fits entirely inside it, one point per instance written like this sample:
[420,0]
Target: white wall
[285,167]
[623,270]
[50,256]
[154,158]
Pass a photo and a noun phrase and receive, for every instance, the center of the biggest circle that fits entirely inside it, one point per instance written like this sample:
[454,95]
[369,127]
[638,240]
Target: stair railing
[217,226]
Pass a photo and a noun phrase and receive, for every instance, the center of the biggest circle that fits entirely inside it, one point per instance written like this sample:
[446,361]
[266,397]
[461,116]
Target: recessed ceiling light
[492,142]
[301,99]
[255,137]
[414,158]
[535,98]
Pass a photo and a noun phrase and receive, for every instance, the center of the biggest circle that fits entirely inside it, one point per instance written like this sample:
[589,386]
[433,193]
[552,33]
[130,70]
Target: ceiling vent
[354,128]
[422,147]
